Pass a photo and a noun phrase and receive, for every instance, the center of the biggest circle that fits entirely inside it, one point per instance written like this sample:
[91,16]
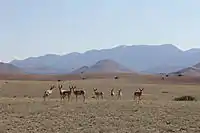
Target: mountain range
[139,58]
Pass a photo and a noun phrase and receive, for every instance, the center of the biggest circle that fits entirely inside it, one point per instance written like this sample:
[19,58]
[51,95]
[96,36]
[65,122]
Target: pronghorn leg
[112,97]
[83,98]
[76,98]
[44,98]
[119,98]
[48,98]
[68,98]
[96,97]
[138,100]
[139,97]
[61,97]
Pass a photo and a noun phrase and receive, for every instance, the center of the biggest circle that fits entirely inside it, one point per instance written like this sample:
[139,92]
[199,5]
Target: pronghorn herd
[81,92]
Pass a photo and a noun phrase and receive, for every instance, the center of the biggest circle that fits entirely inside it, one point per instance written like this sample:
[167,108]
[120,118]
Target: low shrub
[185,98]
[165,92]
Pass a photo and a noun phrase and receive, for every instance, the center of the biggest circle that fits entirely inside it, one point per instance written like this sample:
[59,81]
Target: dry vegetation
[23,110]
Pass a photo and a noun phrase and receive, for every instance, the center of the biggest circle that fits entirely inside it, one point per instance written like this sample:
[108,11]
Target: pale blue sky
[38,27]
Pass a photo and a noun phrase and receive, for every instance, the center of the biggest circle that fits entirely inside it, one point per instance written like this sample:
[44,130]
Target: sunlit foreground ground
[22,108]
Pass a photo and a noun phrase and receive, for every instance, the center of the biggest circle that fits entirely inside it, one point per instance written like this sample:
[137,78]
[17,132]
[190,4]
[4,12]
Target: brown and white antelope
[64,93]
[112,93]
[138,93]
[119,94]
[98,93]
[48,92]
[79,92]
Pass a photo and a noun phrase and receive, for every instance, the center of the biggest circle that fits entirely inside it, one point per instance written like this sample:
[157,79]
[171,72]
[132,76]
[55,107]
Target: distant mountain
[104,66]
[139,58]
[6,68]
[107,66]
[189,71]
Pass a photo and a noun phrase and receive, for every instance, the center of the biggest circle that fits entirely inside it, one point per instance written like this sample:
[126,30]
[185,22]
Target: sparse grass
[23,110]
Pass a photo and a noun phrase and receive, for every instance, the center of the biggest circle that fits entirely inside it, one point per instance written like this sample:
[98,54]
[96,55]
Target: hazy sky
[38,27]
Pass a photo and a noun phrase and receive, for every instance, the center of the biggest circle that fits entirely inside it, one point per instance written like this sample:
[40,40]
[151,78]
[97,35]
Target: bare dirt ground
[22,108]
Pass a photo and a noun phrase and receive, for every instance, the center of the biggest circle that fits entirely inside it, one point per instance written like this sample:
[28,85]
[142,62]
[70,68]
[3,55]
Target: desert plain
[22,108]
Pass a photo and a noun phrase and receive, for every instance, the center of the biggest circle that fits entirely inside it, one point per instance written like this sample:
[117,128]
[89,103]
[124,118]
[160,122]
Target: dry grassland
[22,108]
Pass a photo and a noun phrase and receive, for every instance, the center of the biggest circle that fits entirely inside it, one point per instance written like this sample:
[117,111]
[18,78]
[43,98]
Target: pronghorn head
[72,87]
[141,89]
[95,89]
[52,87]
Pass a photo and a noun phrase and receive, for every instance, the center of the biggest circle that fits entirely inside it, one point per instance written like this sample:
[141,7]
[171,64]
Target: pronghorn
[2,84]
[112,93]
[64,93]
[97,93]
[119,94]
[78,92]
[138,93]
[48,92]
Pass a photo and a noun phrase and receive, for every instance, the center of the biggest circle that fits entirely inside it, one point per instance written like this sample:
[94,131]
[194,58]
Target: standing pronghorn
[138,93]
[112,93]
[119,94]
[98,93]
[78,92]
[64,93]
[48,92]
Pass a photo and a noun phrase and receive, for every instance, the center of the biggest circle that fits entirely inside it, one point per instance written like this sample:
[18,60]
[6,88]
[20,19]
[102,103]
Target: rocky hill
[189,71]
[104,66]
